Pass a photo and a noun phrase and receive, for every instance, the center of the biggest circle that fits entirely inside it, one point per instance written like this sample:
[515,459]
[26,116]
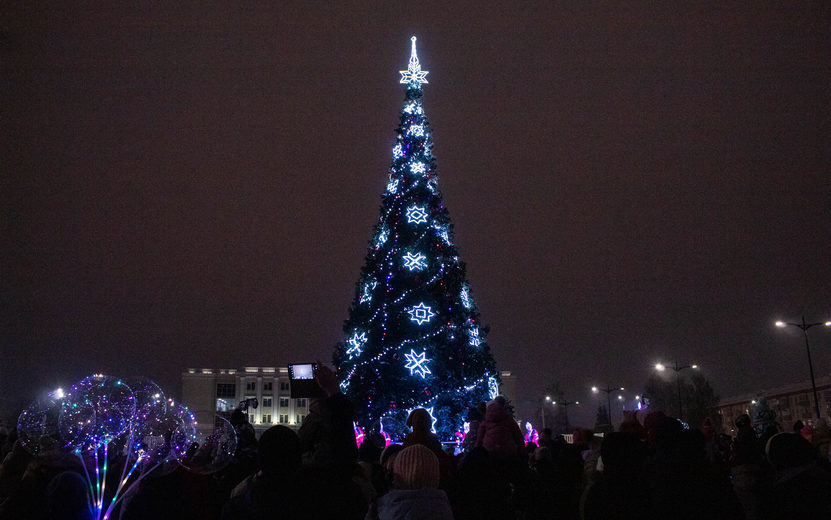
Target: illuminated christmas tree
[413,337]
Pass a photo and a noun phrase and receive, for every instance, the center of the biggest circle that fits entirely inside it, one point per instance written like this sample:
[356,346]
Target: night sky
[195,186]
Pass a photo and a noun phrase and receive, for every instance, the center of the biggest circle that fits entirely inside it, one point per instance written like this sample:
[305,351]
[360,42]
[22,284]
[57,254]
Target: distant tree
[762,416]
[559,423]
[699,400]
[602,423]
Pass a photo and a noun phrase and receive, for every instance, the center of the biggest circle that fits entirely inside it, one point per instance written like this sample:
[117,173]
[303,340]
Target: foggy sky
[195,186]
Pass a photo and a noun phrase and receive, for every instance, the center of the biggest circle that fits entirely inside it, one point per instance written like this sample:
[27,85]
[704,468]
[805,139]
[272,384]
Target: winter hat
[416,467]
[788,450]
[420,419]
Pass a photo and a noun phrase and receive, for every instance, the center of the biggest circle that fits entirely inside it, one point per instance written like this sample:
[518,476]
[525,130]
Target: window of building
[251,385]
[267,386]
[284,418]
[251,418]
[226,390]
[266,402]
[284,402]
[225,405]
[267,418]
[284,386]
[298,418]
[301,403]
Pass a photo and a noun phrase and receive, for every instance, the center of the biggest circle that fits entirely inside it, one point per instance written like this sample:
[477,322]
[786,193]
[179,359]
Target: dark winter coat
[415,504]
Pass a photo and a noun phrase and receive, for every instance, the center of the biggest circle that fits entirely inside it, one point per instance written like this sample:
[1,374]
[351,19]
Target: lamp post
[542,409]
[660,367]
[805,326]
[608,390]
[565,404]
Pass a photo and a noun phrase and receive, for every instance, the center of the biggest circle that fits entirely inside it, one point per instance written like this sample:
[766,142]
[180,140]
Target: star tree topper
[414,75]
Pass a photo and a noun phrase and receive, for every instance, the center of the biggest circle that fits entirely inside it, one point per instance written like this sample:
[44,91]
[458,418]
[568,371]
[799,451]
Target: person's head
[622,453]
[420,419]
[416,467]
[279,451]
[789,450]
[371,448]
[528,426]
[797,426]
[238,418]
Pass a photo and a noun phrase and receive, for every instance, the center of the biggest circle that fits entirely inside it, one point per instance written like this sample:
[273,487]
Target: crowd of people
[650,468]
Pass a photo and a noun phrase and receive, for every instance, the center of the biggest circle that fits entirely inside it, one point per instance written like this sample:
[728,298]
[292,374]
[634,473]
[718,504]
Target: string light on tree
[416,215]
[474,337]
[415,261]
[417,363]
[421,313]
[382,237]
[416,130]
[465,297]
[356,343]
[414,76]
[392,185]
[413,235]
[493,387]
[366,294]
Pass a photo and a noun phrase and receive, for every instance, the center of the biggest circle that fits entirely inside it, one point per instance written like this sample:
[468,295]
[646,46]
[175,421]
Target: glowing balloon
[95,411]
[213,449]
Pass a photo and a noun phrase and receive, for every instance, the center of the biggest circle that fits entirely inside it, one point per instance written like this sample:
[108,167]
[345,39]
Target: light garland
[421,313]
[417,363]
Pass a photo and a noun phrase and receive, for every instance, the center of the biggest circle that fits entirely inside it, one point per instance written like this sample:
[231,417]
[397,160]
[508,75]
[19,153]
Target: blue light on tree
[366,294]
[414,76]
[382,237]
[356,344]
[416,130]
[416,215]
[417,363]
[392,185]
[415,261]
[421,313]
[465,297]
[493,387]
[411,263]
[474,337]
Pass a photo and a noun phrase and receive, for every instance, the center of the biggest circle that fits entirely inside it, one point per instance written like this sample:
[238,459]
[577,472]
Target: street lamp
[805,326]
[565,404]
[608,390]
[542,409]
[660,367]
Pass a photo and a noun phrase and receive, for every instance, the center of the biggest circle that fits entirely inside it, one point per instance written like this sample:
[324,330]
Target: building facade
[790,402]
[208,392]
